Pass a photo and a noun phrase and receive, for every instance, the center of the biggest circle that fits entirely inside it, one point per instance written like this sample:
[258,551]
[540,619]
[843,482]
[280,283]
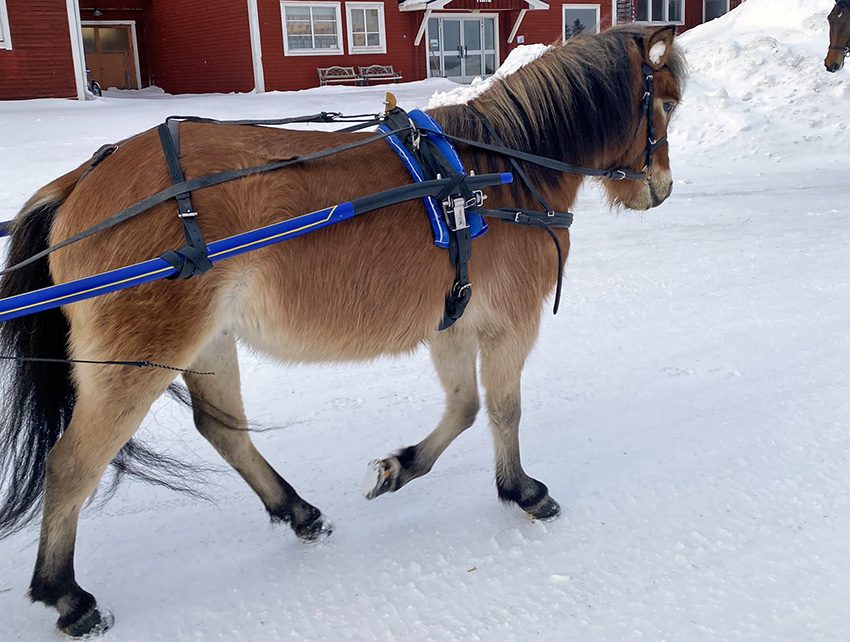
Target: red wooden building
[185,46]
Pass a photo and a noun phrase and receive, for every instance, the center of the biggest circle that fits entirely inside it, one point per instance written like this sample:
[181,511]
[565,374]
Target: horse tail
[37,398]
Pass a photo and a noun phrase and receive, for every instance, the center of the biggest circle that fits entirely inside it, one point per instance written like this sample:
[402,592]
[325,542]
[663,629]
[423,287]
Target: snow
[688,407]
[460,94]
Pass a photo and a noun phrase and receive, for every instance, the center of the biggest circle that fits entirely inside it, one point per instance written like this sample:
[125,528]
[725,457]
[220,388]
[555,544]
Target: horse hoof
[382,477]
[318,530]
[546,510]
[91,625]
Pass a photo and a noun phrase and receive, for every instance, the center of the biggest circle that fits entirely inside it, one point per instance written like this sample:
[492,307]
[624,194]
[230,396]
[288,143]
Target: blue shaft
[155,269]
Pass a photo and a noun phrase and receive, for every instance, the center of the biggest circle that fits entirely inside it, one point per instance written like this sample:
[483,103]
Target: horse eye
[668,106]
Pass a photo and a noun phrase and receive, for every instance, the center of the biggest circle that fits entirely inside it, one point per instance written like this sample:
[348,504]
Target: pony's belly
[319,344]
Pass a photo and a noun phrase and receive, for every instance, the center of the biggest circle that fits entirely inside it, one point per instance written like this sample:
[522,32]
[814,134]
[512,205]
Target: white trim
[77,56]
[663,22]
[613,12]
[119,23]
[382,30]
[567,7]
[311,52]
[6,42]
[517,24]
[256,47]
[422,28]
[728,9]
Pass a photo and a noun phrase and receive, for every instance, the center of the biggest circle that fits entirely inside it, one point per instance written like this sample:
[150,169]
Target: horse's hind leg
[454,354]
[503,356]
[220,418]
[109,408]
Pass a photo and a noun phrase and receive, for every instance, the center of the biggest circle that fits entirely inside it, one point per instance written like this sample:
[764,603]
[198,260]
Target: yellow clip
[390,103]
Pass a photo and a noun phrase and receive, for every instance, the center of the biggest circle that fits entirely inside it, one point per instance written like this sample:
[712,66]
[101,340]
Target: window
[579,18]
[5,38]
[660,11]
[366,32]
[712,9]
[311,29]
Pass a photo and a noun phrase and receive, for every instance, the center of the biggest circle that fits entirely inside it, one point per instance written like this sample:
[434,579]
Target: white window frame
[5,36]
[662,20]
[728,8]
[311,52]
[598,8]
[382,30]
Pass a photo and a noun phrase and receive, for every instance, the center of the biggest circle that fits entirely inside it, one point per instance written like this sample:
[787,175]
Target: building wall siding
[40,64]
[297,72]
[200,47]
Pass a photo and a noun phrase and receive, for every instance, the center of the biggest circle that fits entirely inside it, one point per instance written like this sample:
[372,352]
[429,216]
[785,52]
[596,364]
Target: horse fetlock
[79,615]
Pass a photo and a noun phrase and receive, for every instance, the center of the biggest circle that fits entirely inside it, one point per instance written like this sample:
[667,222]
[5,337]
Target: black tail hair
[37,399]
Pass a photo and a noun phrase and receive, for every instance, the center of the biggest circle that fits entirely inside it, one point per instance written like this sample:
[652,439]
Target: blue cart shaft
[155,269]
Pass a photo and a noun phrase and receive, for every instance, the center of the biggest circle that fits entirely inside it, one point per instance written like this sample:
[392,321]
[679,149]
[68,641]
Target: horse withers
[839,36]
[372,286]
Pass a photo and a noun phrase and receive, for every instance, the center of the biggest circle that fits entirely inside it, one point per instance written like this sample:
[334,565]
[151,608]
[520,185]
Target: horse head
[662,73]
[839,36]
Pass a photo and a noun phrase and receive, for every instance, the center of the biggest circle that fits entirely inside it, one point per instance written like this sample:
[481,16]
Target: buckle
[454,208]
[189,214]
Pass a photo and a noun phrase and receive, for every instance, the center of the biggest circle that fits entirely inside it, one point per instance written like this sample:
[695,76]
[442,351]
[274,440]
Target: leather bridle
[844,4]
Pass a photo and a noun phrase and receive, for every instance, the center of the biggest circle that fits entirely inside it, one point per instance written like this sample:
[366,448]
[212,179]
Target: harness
[453,199]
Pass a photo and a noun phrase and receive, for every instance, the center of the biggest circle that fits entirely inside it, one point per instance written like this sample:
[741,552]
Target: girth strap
[191,259]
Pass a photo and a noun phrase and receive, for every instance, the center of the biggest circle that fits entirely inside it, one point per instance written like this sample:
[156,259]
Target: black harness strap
[455,200]
[192,258]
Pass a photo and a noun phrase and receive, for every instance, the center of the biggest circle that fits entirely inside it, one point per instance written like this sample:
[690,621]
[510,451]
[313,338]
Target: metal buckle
[416,135]
[189,214]
[454,208]
[621,177]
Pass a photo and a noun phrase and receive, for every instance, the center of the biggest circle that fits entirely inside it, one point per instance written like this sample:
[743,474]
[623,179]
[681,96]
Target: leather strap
[192,258]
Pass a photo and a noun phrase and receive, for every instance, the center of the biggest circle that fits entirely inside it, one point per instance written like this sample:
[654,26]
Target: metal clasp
[454,207]
[189,214]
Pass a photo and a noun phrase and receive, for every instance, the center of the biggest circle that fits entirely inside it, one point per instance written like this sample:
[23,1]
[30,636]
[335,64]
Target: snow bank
[517,59]
[758,82]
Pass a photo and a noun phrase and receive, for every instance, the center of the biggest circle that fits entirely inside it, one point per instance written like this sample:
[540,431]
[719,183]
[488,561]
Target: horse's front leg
[503,356]
[454,354]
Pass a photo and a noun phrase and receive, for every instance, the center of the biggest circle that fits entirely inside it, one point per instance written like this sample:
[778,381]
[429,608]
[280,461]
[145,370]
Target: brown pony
[839,36]
[368,287]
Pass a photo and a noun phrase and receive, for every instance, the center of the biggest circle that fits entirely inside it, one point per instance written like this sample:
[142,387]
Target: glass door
[461,48]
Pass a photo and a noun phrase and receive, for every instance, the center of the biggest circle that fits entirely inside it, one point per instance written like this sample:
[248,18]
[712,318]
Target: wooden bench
[379,72]
[337,75]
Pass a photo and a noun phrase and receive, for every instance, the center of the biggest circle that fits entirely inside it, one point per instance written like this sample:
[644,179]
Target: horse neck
[466,121]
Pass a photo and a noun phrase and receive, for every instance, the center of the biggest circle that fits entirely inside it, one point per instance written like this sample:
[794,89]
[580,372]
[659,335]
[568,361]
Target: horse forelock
[578,102]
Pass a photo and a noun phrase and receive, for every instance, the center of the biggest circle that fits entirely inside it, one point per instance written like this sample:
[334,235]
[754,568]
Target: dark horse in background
[372,286]
[839,36]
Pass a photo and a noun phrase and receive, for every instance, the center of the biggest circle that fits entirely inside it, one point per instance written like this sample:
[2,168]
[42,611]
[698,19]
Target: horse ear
[658,45]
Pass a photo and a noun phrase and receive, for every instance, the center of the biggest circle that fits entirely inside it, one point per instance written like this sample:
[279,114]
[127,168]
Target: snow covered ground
[689,407]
